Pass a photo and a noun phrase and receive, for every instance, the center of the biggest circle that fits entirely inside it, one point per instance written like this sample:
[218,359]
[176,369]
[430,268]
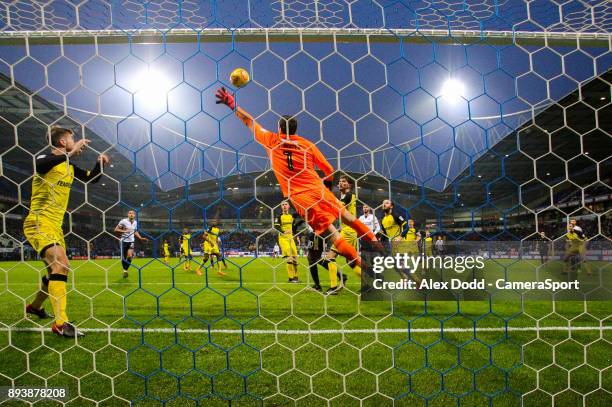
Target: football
[239,77]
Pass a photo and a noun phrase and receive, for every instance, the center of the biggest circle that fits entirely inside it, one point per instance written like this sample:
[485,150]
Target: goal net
[486,122]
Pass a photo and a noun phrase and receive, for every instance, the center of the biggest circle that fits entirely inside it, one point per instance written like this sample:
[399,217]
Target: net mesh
[573,16]
[518,145]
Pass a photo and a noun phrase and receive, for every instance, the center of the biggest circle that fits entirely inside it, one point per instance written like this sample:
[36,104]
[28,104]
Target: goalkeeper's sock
[345,249]
[332,267]
[362,230]
[125,264]
[57,296]
[290,270]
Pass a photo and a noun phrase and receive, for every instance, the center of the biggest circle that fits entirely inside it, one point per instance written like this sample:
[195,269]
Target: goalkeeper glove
[223,96]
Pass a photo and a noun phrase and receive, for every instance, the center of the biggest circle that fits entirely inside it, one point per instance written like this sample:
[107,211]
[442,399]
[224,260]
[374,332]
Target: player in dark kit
[543,247]
[316,248]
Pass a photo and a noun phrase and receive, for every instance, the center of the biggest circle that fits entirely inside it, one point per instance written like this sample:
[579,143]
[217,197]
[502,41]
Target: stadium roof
[579,123]
[25,117]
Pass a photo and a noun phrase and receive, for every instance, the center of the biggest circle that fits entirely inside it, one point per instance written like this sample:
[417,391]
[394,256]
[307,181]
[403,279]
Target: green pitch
[252,338]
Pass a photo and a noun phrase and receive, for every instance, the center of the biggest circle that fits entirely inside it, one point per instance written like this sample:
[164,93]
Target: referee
[543,247]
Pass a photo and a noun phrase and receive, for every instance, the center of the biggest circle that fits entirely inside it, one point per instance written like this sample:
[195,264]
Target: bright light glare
[453,89]
[152,85]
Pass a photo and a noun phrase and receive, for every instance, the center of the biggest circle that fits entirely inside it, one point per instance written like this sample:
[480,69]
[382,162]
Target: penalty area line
[321,331]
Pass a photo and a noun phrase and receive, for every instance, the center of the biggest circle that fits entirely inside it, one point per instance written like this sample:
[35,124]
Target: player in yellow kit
[413,238]
[287,225]
[392,225]
[396,231]
[185,242]
[428,243]
[54,175]
[575,249]
[210,246]
[166,249]
[349,201]
[393,228]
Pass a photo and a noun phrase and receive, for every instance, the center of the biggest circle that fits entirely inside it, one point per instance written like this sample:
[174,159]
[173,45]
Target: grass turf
[252,338]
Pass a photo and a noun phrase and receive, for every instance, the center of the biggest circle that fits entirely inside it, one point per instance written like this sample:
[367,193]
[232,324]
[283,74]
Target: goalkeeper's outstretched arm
[262,135]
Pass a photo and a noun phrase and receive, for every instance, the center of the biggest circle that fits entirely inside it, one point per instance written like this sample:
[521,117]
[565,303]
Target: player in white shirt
[369,219]
[128,229]
[276,250]
[439,245]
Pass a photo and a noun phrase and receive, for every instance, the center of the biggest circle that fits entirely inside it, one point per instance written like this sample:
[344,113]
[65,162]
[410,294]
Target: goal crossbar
[153,36]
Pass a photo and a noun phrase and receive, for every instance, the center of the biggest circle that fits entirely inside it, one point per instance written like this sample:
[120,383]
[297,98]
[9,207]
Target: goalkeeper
[293,161]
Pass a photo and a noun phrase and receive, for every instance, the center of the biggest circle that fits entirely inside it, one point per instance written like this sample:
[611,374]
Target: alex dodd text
[476,284]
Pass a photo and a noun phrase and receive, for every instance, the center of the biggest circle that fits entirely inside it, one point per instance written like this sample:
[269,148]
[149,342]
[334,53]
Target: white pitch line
[322,331]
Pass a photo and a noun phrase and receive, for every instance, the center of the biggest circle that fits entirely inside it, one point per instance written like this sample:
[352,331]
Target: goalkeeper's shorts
[318,206]
[42,234]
